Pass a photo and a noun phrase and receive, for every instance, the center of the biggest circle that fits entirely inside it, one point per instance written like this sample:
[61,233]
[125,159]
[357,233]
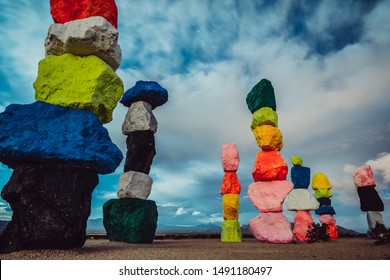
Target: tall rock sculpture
[133,218]
[370,201]
[57,145]
[230,189]
[323,193]
[300,199]
[270,188]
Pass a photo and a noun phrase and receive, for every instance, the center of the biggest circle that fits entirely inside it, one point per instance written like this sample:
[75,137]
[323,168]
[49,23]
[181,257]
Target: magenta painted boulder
[364,177]
[268,196]
[230,157]
[302,221]
[272,228]
[327,219]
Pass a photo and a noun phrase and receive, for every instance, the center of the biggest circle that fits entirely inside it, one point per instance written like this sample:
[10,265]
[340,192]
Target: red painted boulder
[269,196]
[272,228]
[302,221]
[269,166]
[64,11]
[230,184]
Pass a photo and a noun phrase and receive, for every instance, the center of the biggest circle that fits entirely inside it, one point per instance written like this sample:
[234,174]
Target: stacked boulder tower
[133,218]
[57,145]
[323,193]
[370,201]
[270,188]
[230,189]
[301,200]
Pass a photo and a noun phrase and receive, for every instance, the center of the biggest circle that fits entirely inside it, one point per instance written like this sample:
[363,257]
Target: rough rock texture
[139,117]
[320,181]
[134,184]
[130,220]
[231,231]
[86,83]
[45,133]
[364,177]
[324,201]
[297,161]
[327,219]
[370,200]
[68,10]
[300,176]
[264,116]
[230,157]
[373,218]
[90,36]
[302,221]
[269,166]
[323,193]
[301,199]
[150,92]
[140,151]
[230,183]
[322,210]
[268,196]
[272,228]
[261,95]
[231,206]
[50,204]
[268,137]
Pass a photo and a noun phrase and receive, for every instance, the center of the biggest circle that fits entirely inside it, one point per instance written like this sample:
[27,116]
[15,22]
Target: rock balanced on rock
[133,218]
[370,201]
[270,188]
[230,189]
[323,193]
[57,145]
[300,199]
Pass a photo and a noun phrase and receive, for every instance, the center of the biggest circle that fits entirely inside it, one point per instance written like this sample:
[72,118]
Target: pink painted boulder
[269,166]
[230,157]
[364,177]
[302,221]
[327,219]
[272,228]
[268,196]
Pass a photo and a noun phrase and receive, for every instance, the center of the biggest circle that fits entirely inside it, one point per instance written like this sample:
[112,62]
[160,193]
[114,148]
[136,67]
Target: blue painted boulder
[46,133]
[300,177]
[150,92]
[325,209]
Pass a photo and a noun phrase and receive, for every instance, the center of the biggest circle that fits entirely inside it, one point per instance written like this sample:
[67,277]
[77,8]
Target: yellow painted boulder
[231,206]
[86,83]
[320,181]
[268,137]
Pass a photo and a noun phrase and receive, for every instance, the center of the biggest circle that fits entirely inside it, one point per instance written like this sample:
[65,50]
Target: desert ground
[356,248]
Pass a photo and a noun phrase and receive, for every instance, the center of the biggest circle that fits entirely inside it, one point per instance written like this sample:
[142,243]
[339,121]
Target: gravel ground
[212,249]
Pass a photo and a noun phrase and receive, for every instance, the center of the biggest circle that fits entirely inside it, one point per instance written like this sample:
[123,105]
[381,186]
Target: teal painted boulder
[130,220]
[261,95]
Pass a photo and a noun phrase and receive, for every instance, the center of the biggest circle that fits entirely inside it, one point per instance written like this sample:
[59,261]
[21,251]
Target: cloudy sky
[329,62]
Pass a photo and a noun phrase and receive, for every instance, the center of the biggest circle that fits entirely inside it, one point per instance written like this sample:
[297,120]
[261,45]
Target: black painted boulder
[130,220]
[50,204]
[140,151]
[369,199]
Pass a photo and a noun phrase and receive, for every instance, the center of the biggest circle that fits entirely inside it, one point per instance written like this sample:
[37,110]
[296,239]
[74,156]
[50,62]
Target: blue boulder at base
[300,177]
[46,133]
[324,209]
[150,92]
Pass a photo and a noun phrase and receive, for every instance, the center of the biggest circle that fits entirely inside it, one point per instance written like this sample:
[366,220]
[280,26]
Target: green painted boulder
[86,83]
[296,160]
[130,220]
[261,95]
[264,116]
[231,231]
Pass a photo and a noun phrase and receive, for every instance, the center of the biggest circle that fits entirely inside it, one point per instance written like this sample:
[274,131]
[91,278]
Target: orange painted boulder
[268,137]
[269,166]
[230,183]
[331,230]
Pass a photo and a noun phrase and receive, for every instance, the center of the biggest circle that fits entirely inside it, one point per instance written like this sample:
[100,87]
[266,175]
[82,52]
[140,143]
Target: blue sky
[329,62]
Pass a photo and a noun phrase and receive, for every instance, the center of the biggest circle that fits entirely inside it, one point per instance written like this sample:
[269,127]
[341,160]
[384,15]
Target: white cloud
[381,164]
[181,211]
[106,195]
[197,213]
